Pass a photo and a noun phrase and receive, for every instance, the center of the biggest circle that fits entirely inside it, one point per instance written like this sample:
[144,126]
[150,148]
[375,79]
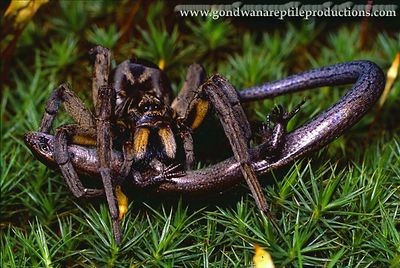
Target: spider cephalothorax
[142,107]
[152,129]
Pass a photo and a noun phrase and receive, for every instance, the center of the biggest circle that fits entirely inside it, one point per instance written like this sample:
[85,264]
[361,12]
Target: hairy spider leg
[104,103]
[195,96]
[81,133]
[224,99]
[62,158]
[104,112]
[72,104]
[101,60]
[188,100]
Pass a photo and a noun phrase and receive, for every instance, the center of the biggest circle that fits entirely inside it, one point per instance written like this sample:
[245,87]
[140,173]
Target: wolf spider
[133,109]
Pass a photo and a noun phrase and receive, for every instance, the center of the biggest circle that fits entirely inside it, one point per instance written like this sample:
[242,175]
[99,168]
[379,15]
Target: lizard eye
[44,147]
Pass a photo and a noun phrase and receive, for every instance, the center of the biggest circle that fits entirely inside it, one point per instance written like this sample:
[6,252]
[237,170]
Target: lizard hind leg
[274,138]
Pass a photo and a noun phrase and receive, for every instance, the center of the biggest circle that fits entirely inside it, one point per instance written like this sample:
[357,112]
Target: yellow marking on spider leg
[83,140]
[201,111]
[168,140]
[140,141]
[122,201]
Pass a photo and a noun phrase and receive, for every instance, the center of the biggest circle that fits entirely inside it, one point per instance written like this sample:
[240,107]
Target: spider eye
[151,107]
